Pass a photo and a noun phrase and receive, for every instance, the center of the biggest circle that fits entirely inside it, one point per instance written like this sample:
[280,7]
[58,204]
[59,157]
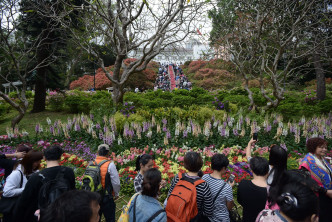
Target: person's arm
[12,185]
[250,145]
[208,201]
[115,180]
[329,193]
[137,184]
[17,155]
[173,183]
[70,175]
[229,196]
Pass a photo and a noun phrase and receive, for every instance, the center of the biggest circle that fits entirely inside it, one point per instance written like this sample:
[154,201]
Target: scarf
[321,170]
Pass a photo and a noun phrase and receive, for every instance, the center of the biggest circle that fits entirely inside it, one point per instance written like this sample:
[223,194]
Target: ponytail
[142,159]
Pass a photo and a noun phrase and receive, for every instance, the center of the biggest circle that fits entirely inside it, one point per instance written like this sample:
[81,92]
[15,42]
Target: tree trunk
[40,85]
[18,118]
[320,77]
[117,94]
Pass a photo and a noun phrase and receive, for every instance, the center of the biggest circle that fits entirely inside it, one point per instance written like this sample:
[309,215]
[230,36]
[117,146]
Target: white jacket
[13,181]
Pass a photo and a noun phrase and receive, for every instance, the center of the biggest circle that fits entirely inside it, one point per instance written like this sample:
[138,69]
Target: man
[109,177]
[252,194]
[27,204]
[221,190]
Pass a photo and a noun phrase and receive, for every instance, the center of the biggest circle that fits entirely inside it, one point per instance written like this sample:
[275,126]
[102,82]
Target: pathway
[171,76]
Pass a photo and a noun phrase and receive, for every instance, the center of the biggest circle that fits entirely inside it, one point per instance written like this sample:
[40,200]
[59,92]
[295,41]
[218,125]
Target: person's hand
[20,155]
[162,184]
[252,143]
[329,193]
[232,184]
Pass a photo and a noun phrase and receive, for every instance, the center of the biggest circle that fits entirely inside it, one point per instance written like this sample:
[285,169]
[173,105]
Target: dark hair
[72,206]
[219,161]
[28,160]
[103,151]
[193,161]
[142,159]
[278,159]
[23,148]
[53,152]
[297,201]
[151,182]
[291,176]
[259,165]
[313,143]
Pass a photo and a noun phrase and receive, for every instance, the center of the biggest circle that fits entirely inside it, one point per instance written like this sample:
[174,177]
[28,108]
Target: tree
[18,56]
[127,25]
[34,21]
[264,39]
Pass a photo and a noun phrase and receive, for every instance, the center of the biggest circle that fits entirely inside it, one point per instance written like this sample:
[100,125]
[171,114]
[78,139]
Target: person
[143,163]
[221,191]
[193,163]
[17,180]
[27,204]
[73,206]
[110,181]
[8,164]
[297,202]
[277,161]
[145,206]
[321,172]
[252,194]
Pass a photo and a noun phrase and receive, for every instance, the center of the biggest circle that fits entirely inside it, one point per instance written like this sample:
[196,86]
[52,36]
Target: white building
[193,50]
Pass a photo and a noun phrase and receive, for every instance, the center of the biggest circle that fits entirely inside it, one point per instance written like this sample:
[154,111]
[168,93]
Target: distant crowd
[273,194]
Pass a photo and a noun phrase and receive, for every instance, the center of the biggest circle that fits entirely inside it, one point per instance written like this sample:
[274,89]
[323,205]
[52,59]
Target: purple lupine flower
[164,121]
[235,132]
[91,116]
[51,129]
[97,126]
[37,128]
[165,129]
[168,134]
[185,133]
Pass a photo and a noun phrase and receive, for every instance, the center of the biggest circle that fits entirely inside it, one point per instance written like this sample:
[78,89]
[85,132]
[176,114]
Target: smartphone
[231,178]
[255,136]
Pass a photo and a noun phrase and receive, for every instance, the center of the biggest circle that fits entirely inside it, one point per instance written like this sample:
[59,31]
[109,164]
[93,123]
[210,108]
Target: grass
[30,120]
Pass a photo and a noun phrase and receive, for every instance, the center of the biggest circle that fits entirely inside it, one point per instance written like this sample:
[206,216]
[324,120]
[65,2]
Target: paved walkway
[171,76]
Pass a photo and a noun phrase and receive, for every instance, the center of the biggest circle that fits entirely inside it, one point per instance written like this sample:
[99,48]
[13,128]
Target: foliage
[78,102]
[56,101]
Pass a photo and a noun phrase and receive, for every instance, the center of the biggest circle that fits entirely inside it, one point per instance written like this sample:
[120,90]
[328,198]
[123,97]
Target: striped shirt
[138,182]
[220,211]
[204,198]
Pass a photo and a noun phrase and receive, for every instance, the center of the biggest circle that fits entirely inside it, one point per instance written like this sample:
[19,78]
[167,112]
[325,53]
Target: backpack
[92,178]
[52,189]
[181,203]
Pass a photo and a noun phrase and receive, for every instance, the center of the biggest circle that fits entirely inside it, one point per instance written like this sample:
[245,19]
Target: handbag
[124,217]
[7,204]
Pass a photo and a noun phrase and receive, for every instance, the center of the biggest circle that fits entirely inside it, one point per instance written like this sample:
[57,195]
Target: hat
[107,147]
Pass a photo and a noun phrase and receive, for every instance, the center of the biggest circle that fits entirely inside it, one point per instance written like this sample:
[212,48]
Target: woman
[17,180]
[193,163]
[277,167]
[143,163]
[73,206]
[297,202]
[321,172]
[145,206]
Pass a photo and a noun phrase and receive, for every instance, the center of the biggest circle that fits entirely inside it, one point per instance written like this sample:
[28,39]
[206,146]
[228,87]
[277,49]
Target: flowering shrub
[310,97]
[55,101]
[127,109]
[196,65]
[218,104]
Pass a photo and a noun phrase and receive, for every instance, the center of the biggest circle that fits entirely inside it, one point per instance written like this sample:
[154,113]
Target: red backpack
[181,203]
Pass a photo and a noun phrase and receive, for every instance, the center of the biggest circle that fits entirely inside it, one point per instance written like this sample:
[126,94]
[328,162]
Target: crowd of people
[273,194]
[163,80]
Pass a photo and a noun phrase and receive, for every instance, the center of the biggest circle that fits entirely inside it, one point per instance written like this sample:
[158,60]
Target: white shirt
[13,181]
[115,179]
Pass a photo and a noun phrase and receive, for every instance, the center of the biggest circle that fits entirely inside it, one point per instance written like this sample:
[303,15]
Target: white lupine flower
[49,121]
[284,132]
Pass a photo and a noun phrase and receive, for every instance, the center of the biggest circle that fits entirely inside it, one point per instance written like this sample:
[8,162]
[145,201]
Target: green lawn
[30,120]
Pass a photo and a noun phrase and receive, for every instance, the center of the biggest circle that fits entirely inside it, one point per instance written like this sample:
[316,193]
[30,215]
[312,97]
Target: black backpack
[52,189]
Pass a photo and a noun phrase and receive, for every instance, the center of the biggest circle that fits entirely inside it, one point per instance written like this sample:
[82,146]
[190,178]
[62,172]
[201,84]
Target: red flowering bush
[196,65]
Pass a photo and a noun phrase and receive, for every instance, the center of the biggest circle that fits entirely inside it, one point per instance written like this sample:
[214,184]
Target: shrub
[325,106]
[182,101]
[77,102]
[120,120]
[196,65]
[289,107]
[204,99]
[56,101]
[183,92]
[204,114]
[4,108]
[101,107]
[197,91]
[136,118]
[239,100]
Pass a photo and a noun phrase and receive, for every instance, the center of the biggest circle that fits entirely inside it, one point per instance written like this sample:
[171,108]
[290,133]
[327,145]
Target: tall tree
[17,56]
[34,22]
[264,39]
[127,26]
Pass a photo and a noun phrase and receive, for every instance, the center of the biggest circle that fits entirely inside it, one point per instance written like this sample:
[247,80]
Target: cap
[107,147]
